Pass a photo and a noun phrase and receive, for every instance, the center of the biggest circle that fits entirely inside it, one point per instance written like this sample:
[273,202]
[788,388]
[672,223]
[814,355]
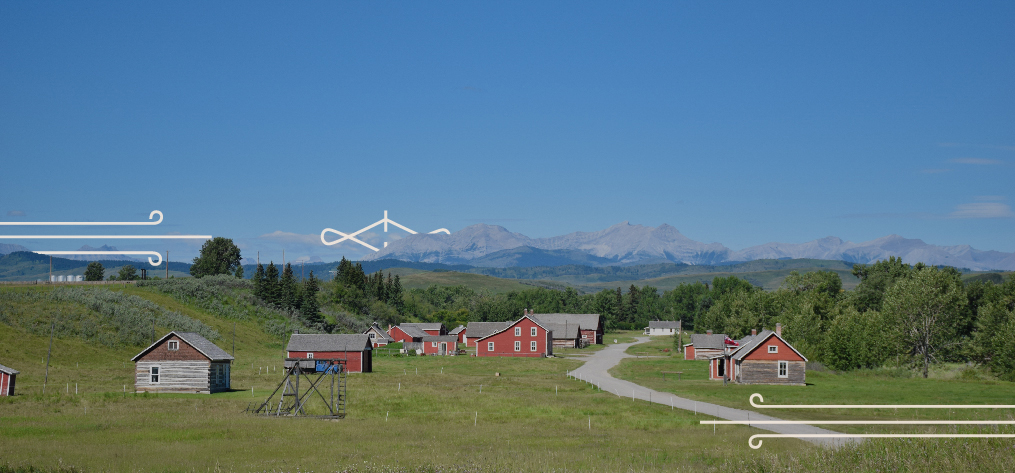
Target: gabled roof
[563,332]
[482,329]
[194,339]
[380,333]
[328,342]
[412,330]
[512,324]
[759,340]
[706,341]
[425,326]
[585,321]
[440,338]
[459,329]
[663,324]
[4,369]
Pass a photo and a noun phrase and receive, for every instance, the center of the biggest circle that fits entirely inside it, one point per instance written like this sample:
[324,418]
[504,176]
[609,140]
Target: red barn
[459,332]
[7,377]
[434,329]
[440,345]
[182,362]
[524,337]
[590,325]
[406,333]
[355,349]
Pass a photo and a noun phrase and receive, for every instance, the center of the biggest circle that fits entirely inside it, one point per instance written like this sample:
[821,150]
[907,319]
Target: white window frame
[310,355]
[532,346]
[532,331]
[489,346]
[373,335]
[173,345]
[518,345]
[783,369]
[773,348]
[518,331]
[433,345]
[585,336]
[155,374]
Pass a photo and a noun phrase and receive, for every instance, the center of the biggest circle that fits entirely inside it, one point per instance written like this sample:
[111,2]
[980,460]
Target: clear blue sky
[736,122]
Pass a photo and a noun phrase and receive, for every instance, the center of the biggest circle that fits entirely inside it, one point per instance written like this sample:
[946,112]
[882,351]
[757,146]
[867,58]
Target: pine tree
[379,291]
[388,289]
[309,307]
[258,280]
[289,299]
[239,271]
[272,294]
[396,295]
[632,299]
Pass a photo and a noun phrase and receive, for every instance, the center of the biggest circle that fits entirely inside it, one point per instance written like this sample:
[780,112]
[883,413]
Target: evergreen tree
[289,296]
[621,307]
[388,290]
[239,271]
[396,295]
[258,280]
[632,301]
[309,307]
[272,294]
[95,271]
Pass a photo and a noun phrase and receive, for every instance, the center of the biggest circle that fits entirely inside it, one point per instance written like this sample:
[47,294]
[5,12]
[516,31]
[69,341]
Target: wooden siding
[163,353]
[356,361]
[504,342]
[430,349]
[783,351]
[7,383]
[689,352]
[399,336]
[174,377]
[767,372]
[706,353]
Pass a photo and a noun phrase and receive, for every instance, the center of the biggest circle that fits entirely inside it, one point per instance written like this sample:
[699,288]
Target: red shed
[356,349]
[440,345]
[525,337]
[459,331]
[406,333]
[7,377]
[434,329]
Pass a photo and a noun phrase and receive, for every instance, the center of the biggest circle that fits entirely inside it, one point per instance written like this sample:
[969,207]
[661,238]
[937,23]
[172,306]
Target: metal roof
[585,321]
[412,330]
[663,324]
[482,329]
[4,369]
[563,331]
[440,338]
[511,324]
[328,342]
[194,339]
[377,331]
[755,342]
[457,330]
[703,340]
[425,326]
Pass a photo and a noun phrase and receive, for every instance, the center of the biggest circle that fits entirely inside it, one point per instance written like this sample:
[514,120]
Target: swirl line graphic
[92,223]
[385,221]
[153,263]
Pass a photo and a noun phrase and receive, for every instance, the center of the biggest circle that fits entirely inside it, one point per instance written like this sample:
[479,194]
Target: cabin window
[372,335]
[783,369]
[218,375]
[433,344]
[518,346]
[532,345]
[310,355]
[154,371]
[518,331]
[773,349]
[585,336]
[489,346]
[533,331]
[174,345]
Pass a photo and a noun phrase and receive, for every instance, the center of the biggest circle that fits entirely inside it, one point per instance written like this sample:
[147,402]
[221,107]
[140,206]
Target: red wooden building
[704,346]
[524,337]
[458,331]
[406,333]
[7,378]
[440,345]
[477,330]
[182,362]
[590,326]
[765,358]
[355,349]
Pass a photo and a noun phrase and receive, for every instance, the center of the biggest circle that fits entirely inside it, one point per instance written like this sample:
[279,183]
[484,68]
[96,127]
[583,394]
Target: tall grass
[109,318]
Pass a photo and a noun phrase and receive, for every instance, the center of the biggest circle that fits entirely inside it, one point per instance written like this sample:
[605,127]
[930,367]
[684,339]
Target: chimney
[708,332]
[754,332]
[778,330]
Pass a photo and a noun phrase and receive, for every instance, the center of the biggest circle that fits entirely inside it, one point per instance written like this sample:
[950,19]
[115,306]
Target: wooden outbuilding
[378,337]
[526,337]
[182,362]
[565,335]
[704,346]
[355,349]
[440,345]
[590,326]
[768,359]
[458,331]
[662,327]
[7,378]
[434,329]
[406,333]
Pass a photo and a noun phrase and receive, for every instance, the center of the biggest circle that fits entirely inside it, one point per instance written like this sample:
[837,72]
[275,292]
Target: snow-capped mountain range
[623,243]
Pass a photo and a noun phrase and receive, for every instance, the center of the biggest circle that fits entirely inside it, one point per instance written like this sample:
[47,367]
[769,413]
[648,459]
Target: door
[444,348]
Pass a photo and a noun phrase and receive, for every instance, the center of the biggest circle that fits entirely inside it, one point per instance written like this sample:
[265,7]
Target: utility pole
[49,353]
[50,280]
[167,264]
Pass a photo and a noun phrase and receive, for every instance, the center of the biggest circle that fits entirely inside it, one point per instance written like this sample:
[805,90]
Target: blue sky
[736,122]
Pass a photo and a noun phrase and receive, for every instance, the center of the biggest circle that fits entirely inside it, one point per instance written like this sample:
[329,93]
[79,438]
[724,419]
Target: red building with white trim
[355,349]
[7,378]
[525,337]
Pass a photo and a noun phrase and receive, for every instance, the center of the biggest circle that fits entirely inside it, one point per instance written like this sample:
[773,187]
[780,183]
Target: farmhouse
[704,346]
[590,325]
[7,378]
[768,359]
[526,336]
[662,327]
[182,362]
[477,330]
[355,349]
[378,337]
[459,331]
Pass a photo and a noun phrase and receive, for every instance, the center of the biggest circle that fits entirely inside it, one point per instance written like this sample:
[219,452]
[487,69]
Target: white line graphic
[878,406]
[758,437]
[92,223]
[750,441]
[385,221]
[153,263]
